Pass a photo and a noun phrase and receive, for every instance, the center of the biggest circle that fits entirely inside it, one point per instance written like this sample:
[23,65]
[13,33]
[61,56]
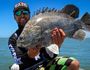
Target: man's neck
[20,27]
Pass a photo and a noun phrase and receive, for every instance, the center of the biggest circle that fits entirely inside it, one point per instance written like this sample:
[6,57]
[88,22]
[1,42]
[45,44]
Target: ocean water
[70,47]
[78,49]
[5,56]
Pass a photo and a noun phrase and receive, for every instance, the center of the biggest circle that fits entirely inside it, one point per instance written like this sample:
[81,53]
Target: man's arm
[12,46]
[58,36]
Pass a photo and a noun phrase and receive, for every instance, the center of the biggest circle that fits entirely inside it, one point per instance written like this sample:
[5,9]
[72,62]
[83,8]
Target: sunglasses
[20,12]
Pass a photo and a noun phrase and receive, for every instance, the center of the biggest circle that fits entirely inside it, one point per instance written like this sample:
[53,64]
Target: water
[75,48]
[5,56]
[79,50]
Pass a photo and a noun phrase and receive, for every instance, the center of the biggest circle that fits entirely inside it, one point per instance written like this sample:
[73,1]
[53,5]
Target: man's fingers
[54,37]
[62,33]
[58,36]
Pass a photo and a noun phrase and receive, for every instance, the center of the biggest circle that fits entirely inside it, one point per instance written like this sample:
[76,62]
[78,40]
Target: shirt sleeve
[15,52]
[51,55]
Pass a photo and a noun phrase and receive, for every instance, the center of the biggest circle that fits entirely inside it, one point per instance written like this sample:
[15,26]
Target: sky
[7,23]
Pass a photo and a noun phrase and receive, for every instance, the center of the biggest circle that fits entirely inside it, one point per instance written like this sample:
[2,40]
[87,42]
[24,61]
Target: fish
[38,29]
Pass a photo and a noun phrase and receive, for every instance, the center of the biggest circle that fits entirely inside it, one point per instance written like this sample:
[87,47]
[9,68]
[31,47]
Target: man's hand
[58,36]
[34,51]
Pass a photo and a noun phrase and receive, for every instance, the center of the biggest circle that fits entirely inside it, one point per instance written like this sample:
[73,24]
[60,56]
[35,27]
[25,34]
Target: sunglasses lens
[18,13]
[25,12]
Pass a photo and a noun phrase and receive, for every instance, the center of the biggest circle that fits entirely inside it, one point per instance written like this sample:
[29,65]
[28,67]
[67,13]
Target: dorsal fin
[45,9]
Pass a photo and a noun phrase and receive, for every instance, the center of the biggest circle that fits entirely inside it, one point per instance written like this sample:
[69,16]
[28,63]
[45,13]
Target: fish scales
[38,29]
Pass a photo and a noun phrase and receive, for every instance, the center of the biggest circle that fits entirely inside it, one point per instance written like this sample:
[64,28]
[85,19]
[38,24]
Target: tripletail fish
[38,29]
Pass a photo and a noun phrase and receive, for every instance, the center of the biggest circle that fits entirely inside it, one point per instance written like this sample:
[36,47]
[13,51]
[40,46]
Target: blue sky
[8,24]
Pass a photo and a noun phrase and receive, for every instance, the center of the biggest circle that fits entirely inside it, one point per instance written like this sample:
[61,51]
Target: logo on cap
[21,4]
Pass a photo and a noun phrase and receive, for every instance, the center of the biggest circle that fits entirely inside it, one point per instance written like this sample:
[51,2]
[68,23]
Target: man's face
[22,16]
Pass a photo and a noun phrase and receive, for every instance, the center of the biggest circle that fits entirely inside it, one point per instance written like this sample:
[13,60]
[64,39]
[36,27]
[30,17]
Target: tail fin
[86,20]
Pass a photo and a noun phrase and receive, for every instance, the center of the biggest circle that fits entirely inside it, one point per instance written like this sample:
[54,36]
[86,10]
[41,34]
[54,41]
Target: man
[37,57]
[22,15]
